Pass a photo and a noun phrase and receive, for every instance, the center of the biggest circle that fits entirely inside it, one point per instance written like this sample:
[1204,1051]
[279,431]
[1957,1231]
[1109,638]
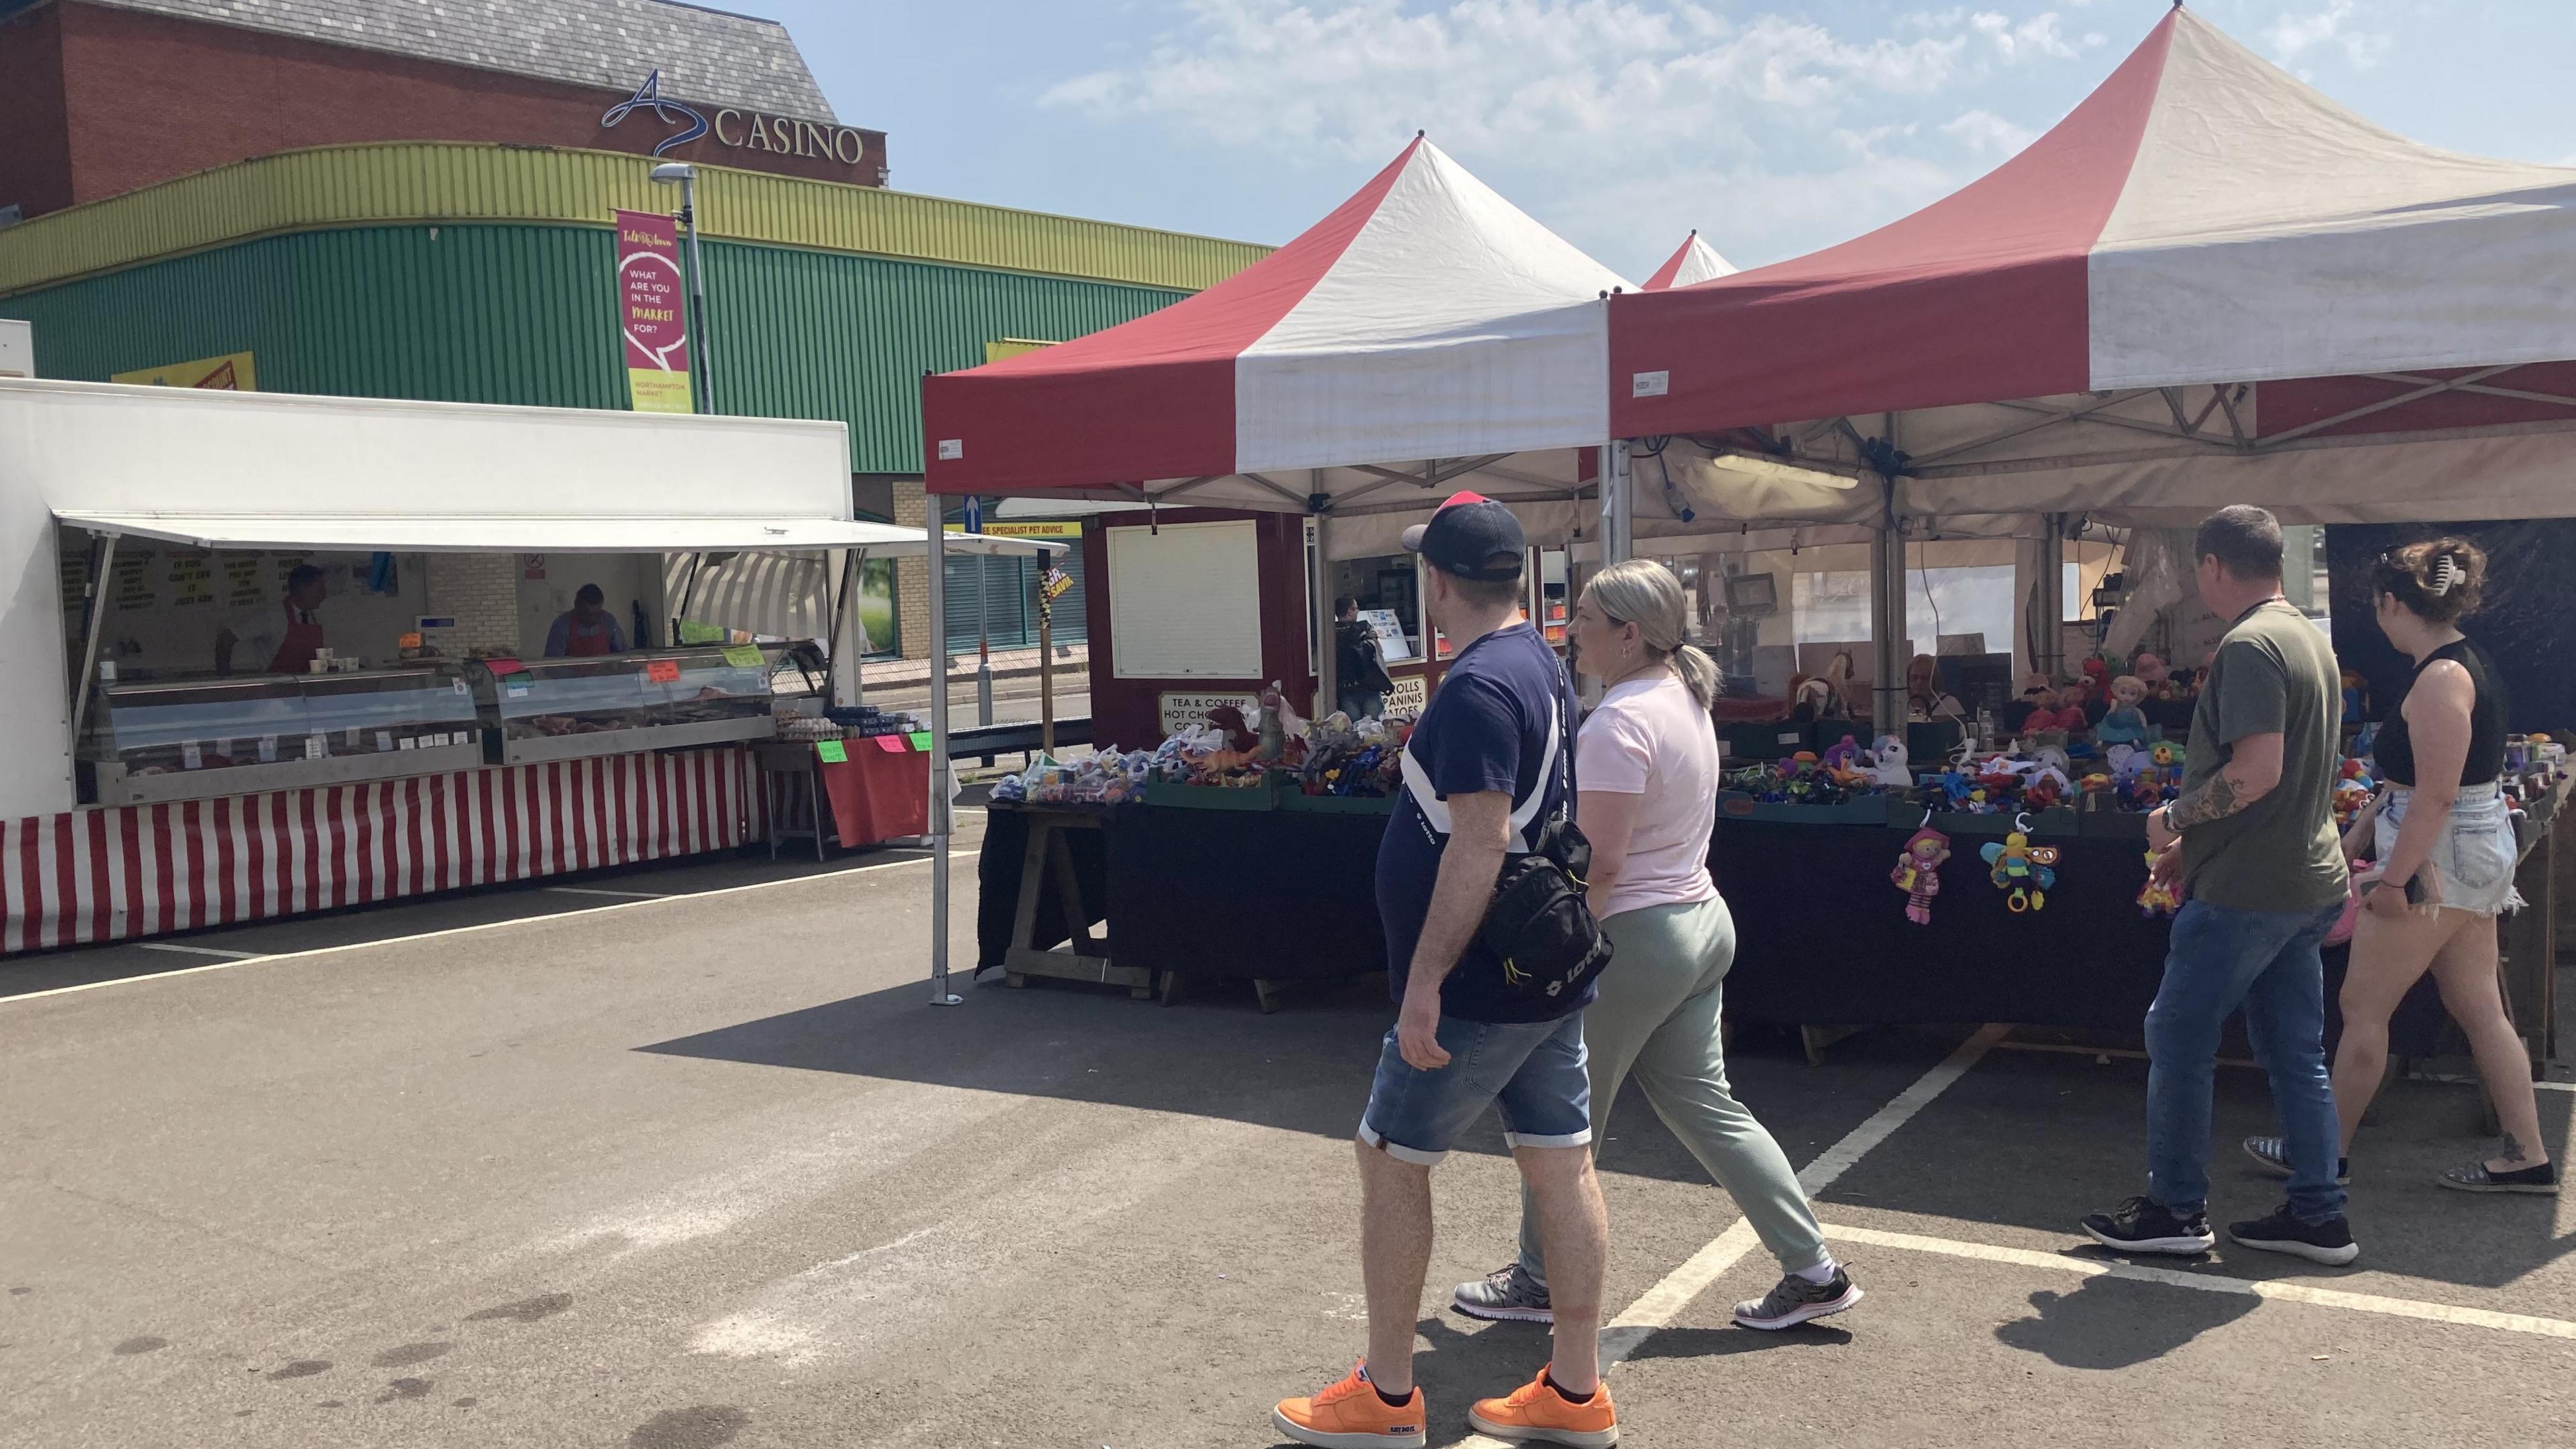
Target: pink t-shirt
[1649,737]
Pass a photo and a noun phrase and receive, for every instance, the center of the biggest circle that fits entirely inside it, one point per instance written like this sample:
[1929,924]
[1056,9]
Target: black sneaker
[2329,1242]
[2142,1225]
[2274,1158]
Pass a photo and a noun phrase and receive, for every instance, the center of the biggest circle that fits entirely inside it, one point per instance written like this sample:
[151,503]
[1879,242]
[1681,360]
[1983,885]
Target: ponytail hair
[1645,593]
[2439,582]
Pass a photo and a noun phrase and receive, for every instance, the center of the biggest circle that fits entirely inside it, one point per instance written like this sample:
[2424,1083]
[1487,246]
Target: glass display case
[657,699]
[188,739]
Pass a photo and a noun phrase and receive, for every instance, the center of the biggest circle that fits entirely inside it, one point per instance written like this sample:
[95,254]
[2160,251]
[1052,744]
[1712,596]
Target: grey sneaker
[2273,1157]
[1506,1295]
[1797,1301]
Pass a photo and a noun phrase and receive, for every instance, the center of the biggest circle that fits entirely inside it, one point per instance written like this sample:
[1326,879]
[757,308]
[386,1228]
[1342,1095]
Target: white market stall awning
[361,533]
[1427,336]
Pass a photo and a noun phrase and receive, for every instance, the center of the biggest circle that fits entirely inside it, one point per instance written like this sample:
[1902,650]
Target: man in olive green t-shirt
[2251,839]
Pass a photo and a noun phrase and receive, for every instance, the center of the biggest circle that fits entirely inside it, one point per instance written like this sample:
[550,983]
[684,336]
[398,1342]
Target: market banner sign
[231,372]
[651,312]
[1063,530]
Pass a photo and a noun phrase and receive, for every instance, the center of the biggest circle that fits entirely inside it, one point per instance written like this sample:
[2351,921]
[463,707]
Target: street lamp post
[685,176]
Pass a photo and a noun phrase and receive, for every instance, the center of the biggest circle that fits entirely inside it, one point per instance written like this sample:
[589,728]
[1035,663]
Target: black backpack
[1538,924]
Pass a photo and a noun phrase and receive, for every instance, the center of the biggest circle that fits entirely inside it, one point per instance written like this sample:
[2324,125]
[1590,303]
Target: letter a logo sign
[649,95]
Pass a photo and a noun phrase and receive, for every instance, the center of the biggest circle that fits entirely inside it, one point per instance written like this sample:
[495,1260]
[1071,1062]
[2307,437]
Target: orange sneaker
[1350,1415]
[1536,1411]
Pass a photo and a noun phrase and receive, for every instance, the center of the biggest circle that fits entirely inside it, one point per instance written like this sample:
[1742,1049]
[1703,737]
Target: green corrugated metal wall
[526,314]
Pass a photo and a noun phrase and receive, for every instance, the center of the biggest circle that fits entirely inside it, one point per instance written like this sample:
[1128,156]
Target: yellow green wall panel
[342,186]
[515,313]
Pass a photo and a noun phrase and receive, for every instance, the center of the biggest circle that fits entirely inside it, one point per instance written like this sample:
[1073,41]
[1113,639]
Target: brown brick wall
[145,98]
[35,151]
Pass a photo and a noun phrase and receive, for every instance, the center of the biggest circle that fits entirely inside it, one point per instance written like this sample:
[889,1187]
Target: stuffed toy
[2022,871]
[2124,723]
[1888,764]
[1918,872]
[1840,757]
[2155,899]
[2152,671]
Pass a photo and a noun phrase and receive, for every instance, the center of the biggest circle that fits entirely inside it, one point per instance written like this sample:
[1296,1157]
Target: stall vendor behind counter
[586,629]
[279,638]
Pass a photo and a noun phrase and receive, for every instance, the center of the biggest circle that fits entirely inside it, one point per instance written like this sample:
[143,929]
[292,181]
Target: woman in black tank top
[2445,848]
[2484,763]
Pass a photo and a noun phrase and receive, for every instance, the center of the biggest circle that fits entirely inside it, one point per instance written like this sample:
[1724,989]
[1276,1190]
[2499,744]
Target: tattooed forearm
[2215,800]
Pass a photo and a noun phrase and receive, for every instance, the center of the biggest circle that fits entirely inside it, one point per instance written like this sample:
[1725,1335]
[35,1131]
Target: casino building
[401,198]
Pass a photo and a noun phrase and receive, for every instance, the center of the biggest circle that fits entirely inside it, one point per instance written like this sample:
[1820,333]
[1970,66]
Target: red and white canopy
[1693,262]
[1413,341]
[2205,249]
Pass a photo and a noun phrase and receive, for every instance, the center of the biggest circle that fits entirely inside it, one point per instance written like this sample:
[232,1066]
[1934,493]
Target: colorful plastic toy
[2155,899]
[1918,872]
[2023,871]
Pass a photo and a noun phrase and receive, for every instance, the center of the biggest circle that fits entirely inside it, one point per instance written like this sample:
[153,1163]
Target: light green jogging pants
[1656,1016]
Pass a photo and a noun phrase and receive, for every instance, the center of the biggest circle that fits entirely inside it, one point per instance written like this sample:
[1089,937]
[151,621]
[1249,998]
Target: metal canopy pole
[102,559]
[1618,503]
[2049,653]
[1319,612]
[1887,624]
[935,556]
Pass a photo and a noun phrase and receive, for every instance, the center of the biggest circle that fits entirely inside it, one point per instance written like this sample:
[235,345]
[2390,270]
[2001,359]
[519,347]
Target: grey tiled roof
[704,55]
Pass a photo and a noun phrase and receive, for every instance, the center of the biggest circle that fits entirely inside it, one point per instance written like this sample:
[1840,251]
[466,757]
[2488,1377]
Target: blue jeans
[1533,1073]
[2265,961]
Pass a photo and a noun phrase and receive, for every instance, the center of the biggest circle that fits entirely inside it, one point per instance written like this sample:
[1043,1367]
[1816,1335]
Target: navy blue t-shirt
[1488,729]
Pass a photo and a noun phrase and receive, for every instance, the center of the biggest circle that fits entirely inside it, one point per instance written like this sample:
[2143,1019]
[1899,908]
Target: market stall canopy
[449,533]
[1425,337]
[2205,285]
[1693,262]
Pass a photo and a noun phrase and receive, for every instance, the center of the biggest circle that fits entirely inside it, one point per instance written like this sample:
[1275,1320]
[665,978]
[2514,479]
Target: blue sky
[1775,128]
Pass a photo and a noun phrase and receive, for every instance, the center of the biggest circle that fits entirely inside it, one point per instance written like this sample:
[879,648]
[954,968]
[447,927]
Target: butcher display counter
[612,704]
[187,739]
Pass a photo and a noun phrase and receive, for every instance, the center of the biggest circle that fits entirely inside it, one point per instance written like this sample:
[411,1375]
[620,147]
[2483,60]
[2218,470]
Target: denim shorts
[2471,865]
[1534,1073]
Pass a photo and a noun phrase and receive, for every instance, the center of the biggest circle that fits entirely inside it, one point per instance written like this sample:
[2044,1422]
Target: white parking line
[1665,1301]
[198,950]
[966,858]
[596,891]
[2211,1282]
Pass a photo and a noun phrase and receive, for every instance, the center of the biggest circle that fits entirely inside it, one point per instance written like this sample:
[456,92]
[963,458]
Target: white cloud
[2294,35]
[1987,134]
[1615,121]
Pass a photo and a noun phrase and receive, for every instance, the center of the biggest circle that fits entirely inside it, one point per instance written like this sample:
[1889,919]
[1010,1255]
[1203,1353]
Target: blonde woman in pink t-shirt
[1645,778]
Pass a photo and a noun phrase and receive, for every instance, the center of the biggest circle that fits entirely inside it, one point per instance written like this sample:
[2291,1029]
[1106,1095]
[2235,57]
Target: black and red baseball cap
[1471,537]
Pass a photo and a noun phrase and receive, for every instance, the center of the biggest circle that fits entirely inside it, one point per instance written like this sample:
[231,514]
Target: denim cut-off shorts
[2471,866]
[1534,1073]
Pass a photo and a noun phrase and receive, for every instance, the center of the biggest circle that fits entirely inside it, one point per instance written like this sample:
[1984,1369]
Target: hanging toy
[2157,898]
[1918,872]
[2020,869]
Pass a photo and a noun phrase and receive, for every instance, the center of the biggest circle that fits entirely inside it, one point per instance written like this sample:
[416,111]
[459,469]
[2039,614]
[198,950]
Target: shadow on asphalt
[1303,1069]
[2114,1323]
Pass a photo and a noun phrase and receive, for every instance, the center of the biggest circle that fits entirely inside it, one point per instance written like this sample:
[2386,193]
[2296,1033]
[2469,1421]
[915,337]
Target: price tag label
[384,739]
[191,757]
[921,740]
[745,656]
[409,744]
[268,749]
[832,752]
[894,744]
[664,671]
[315,747]
[356,736]
[517,689]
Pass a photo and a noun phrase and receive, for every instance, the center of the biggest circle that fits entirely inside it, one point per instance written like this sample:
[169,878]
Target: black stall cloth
[1228,895]
[1821,934]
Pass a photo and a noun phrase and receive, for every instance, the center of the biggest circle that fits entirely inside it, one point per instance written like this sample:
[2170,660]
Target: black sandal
[2476,1177]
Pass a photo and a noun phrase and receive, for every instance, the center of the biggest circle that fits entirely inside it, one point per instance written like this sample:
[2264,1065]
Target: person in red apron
[586,629]
[280,640]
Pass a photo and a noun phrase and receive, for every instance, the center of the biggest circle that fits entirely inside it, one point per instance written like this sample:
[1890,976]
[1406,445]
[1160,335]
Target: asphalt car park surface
[702,1168]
